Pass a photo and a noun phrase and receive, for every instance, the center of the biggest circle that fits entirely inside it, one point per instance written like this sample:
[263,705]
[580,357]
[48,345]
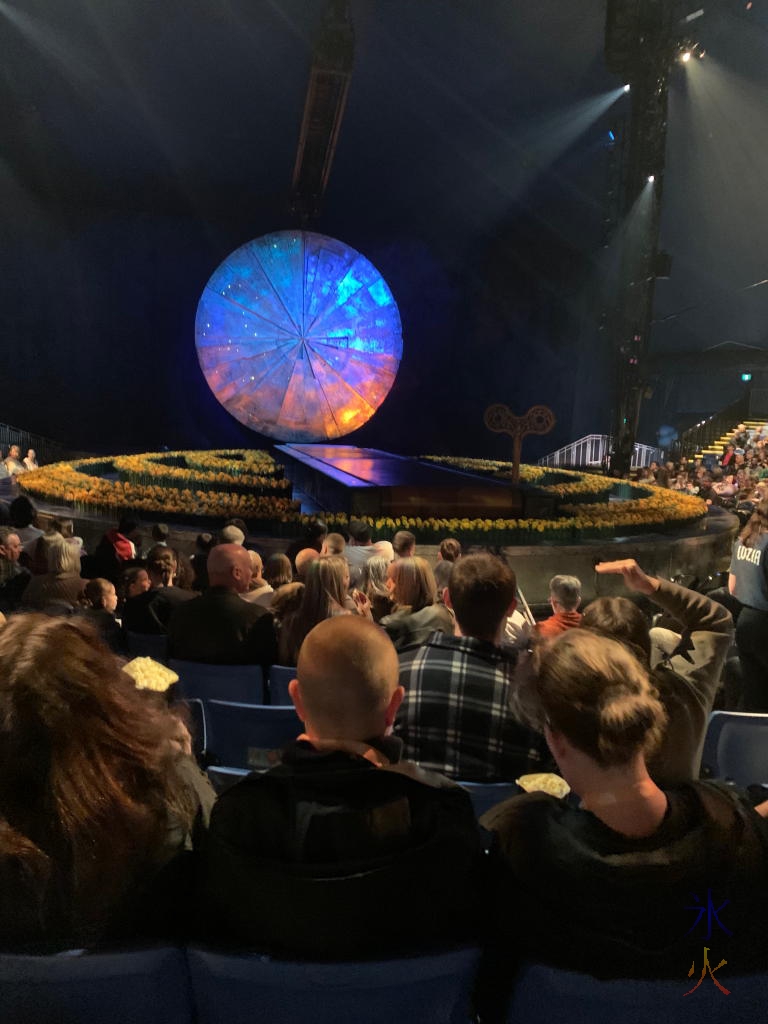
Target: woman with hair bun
[604,884]
[94,799]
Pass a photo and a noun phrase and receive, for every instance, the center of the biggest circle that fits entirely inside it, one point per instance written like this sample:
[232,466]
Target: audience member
[334,544]
[404,544]
[324,596]
[259,591]
[359,549]
[203,544]
[30,459]
[116,549]
[311,859]
[135,581]
[24,520]
[456,716]
[62,584]
[373,584]
[383,549]
[98,605]
[160,534]
[218,627]
[278,571]
[304,559]
[448,552]
[37,560]
[231,535]
[13,577]
[314,536]
[606,885]
[564,598]
[748,582]
[687,680]
[13,462]
[92,800]
[150,611]
[416,611]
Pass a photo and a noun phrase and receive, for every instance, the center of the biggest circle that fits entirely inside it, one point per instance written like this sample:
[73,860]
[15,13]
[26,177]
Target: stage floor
[368,481]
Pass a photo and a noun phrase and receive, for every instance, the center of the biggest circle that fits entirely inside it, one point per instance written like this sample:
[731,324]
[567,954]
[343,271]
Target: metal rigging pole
[329,78]
[642,41]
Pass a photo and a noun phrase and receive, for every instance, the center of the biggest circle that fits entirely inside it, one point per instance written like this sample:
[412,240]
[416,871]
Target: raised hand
[634,577]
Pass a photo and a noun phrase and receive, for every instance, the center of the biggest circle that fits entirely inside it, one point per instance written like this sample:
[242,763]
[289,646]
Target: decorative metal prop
[298,336]
[501,420]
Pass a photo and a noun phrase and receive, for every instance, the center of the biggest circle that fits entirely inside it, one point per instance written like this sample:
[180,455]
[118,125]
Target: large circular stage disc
[298,336]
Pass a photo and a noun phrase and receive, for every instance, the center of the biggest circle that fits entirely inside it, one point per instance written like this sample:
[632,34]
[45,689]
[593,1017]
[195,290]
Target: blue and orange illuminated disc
[298,336]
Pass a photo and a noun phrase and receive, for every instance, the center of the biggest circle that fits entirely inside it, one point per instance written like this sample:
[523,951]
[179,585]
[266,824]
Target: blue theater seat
[219,682]
[485,795]
[279,677]
[146,987]
[257,990]
[147,645]
[248,735]
[736,747]
[545,994]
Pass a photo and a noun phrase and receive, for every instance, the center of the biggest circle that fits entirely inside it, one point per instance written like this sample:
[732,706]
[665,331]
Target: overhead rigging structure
[329,78]
[643,40]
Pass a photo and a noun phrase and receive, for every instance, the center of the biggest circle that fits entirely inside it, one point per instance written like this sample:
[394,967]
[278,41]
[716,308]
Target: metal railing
[702,435]
[594,450]
[47,450]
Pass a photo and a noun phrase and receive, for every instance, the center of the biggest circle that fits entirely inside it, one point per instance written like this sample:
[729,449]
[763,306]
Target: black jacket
[219,628]
[329,857]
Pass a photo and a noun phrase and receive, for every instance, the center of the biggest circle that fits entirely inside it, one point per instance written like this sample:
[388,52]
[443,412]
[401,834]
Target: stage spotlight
[651,178]
[627,87]
[685,57]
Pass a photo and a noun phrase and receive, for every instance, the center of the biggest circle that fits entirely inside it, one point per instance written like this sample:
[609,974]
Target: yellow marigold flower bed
[239,482]
[151,483]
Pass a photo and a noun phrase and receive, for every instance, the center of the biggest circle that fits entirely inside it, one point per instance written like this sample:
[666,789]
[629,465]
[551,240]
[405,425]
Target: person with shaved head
[218,627]
[342,851]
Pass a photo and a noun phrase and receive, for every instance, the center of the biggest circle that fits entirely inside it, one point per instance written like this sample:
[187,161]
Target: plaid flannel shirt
[456,717]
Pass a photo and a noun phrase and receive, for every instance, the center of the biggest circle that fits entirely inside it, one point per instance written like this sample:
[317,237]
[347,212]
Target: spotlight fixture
[685,57]
[651,178]
[627,87]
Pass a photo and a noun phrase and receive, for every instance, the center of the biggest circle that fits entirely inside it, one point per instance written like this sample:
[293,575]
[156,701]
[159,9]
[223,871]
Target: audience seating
[257,990]
[543,994]
[736,747]
[145,987]
[219,682]
[279,677]
[247,735]
[197,728]
[485,795]
[147,645]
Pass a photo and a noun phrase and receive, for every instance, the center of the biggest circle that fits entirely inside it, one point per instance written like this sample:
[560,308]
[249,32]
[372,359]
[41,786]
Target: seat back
[485,795]
[279,677]
[147,645]
[219,682]
[736,747]
[197,728]
[544,994]
[253,989]
[248,735]
[145,987]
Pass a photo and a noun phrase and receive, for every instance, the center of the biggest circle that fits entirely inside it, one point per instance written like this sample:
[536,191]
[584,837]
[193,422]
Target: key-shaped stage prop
[501,420]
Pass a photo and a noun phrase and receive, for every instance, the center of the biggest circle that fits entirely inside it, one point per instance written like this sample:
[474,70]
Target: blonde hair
[62,557]
[414,581]
[600,697]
